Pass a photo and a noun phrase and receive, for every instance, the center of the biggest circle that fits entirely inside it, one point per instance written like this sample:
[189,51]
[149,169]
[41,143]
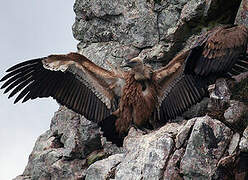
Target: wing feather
[74,99]
[71,93]
[23,65]
[179,91]
[184,81]
[21,75]
[27,97]
[71,79]
[182,96]
[218,51]
[23,93]
[20,86]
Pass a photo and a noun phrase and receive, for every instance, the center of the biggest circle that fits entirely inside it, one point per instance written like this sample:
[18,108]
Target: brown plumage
[118,99]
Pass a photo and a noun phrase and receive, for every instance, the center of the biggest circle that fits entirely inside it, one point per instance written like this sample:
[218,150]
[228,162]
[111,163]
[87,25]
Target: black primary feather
[109,130]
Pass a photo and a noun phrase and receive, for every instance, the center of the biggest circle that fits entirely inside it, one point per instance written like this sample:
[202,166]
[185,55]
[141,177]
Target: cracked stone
[184,133]
[145,159]
[234,143]
[206,145]
[100,169]
[243,144]
[235,111]
[173,168]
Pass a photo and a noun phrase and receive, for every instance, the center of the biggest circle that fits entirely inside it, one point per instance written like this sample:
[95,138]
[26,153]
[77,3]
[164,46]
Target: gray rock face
[243,144]
[23,178]
[187,150]
[114,52]
[234,143]
[121,21]
[184,132]
[242,15]
[172,170]
[168,19]
[235,111]
[78,135]
[219,99]
[193,10]
[220,90]
[144,24]
[61,151]
[245,133]
[244,141]
[103,169]
[146,158]
[206,145]
[155,156]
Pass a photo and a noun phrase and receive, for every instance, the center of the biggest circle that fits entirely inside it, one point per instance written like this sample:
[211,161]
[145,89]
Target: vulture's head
[135,63]
[141,70]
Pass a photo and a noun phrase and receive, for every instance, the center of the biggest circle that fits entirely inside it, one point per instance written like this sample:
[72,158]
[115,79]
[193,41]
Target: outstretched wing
[217,51]
[72,79]
[178,91]
[185,79]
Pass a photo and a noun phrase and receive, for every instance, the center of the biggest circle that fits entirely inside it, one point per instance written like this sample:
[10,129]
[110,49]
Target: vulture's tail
[243,163]
[109,131]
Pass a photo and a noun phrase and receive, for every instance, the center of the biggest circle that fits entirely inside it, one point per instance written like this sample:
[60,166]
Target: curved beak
[129,64]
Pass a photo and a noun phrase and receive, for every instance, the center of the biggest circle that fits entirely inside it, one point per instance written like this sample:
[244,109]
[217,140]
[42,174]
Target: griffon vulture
[117,99]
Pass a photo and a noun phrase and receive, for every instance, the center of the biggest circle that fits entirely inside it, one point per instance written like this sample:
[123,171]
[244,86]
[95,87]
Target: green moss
[95,156]
[240,91]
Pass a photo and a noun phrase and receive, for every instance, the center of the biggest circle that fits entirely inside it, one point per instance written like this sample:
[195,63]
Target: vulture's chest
[138,101]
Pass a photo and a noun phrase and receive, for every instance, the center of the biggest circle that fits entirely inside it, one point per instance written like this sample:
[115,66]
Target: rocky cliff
[210,141]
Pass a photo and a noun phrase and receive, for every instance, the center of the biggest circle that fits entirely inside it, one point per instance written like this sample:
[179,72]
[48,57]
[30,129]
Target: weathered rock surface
[199,148]
[147,157]
[172,170]
[121,21]
[103,169]
[234,143]
[206,145]
[244,141]
[184,133]
[242,15]
[243,144]
[144,24]
[235,111]
[112,51]
[65,151]
[61,151]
